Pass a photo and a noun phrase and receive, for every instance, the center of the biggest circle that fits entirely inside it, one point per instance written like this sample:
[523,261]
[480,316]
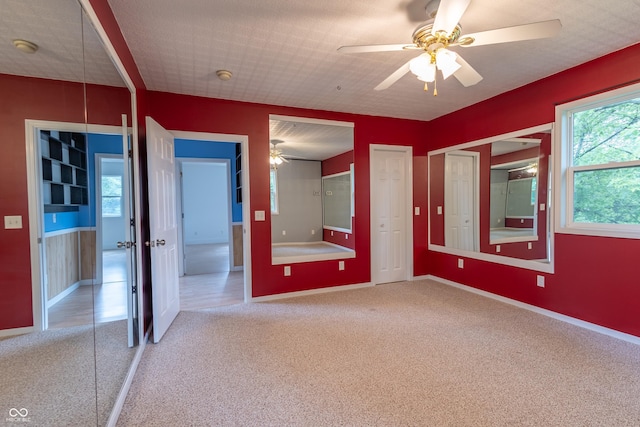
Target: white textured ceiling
[300,139]
[59,30]
[283,52]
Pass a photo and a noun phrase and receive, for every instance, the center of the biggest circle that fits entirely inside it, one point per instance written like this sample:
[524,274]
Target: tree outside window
[111,196]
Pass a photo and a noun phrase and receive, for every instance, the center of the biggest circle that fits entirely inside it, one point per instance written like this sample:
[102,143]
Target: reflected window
[273,190]
[601,141]
[111,196]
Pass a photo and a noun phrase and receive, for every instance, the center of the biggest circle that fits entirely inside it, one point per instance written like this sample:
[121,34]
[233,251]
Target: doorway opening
[64,211]
[210,210]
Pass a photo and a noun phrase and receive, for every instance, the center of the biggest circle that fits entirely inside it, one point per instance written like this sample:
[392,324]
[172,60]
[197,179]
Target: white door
[163,228]
[390,204]
[459,196]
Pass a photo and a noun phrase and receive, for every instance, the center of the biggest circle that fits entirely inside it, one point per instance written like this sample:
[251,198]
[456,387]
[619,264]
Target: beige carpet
[53,375]
[406,354]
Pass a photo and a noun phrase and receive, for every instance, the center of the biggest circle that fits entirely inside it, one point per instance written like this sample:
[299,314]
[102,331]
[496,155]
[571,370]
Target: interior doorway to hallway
[211,235]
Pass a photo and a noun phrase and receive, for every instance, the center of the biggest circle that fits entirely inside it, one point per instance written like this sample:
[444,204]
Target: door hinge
[132,222]
[134,289]
[130,152]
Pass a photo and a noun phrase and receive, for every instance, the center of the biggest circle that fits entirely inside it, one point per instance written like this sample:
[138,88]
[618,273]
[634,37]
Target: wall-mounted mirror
[63,88]
[311,183]
[489,199]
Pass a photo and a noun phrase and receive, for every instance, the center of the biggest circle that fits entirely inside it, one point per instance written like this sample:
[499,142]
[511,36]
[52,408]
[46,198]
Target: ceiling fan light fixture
[446,62]
[423,68]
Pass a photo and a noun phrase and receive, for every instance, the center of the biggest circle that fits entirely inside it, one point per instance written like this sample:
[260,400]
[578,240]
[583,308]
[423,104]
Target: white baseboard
[119,403]
[311,292]
[562,317]
[53,301]
[16,331]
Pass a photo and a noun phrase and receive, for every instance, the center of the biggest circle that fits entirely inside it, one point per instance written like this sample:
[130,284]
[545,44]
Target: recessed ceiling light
[224,75]
[25,46]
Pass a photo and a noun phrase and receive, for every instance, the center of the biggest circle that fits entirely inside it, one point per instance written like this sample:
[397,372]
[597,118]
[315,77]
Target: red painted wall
[188,113]
[38,99]
[337,164]
[595,277]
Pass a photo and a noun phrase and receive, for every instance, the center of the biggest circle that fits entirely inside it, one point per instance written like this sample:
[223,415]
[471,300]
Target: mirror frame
[324,215]
[347,253]
[545,267]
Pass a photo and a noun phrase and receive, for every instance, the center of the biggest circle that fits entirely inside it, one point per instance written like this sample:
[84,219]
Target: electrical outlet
[542,206]
[529,245]
[346,237]
[417,210]
[439,210]
[54,217]
[12,222]
[331,233]
[313,231]
[340,265]
[287,270]
[498,249]
[460,263]
[540,281]
[284,232]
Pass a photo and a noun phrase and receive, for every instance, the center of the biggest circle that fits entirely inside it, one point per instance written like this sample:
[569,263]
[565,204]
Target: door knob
[160,242]
[120,245]
[150,243]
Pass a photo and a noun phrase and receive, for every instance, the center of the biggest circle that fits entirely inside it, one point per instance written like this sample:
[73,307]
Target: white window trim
[564,173]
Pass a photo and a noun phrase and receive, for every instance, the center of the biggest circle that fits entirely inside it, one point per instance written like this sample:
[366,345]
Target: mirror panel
[305,155]
[84,347]
[489,199]
[337,202]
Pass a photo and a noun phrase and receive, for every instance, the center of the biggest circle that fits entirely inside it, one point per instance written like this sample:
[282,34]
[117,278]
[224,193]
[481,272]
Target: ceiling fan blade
[466,74]
[376,48]
[537,30]
[394,77]
[448,15]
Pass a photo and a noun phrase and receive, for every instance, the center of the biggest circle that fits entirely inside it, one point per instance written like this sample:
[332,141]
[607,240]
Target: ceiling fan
[443,31]
[275,156]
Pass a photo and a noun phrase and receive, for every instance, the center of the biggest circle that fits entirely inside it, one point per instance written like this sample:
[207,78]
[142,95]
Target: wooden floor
[110,298]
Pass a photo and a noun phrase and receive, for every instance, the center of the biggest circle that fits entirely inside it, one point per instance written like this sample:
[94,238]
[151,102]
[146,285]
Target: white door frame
[36,208]
[179,198]
[243,140]
[408,158]
[475,156]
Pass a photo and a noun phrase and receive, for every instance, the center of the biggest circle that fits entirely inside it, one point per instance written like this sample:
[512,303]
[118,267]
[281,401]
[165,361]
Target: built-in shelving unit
[64,170]
[239,173]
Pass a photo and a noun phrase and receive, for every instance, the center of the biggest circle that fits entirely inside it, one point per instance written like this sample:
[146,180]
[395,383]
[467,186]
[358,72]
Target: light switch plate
[259,215]
[340,265]
[439,210]
[287,270]
[417,210]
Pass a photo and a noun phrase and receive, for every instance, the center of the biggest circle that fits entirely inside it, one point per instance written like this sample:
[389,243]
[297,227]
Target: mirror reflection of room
[492,197]
[311,190]
[514,170]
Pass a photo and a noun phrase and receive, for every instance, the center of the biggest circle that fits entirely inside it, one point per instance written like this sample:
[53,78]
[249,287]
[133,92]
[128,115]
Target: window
[600,164]
[111,196]
[273,190]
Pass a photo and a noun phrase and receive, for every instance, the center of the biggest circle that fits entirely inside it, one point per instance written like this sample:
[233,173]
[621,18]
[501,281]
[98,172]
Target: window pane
[111,206]
[273,189]
[607,134]
[111,186]
[607,196]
